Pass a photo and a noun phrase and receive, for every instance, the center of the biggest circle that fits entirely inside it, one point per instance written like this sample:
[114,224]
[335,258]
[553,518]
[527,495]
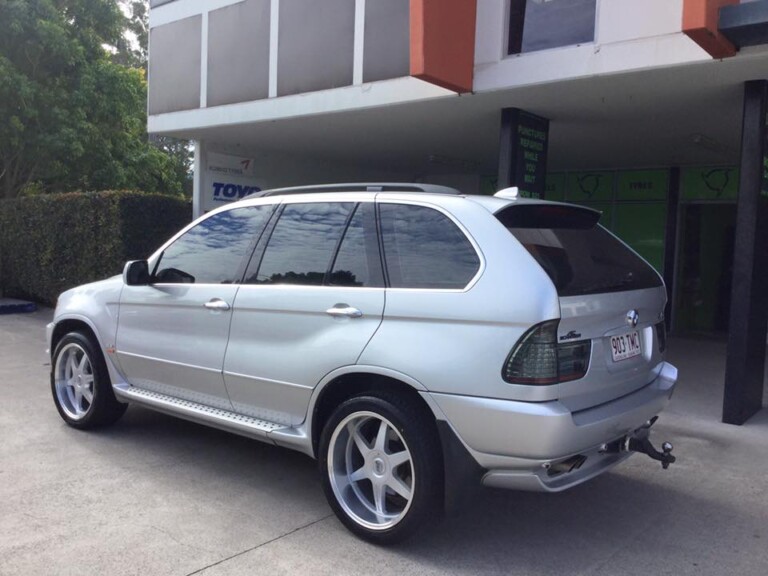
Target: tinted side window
[423,248]
[302,244]
[211,252]
[357,261]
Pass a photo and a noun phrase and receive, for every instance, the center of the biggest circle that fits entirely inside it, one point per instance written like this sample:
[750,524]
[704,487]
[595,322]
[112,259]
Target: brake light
[538,359]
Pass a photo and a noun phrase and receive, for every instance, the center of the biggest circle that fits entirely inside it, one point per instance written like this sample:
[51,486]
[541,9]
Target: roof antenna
[508,193]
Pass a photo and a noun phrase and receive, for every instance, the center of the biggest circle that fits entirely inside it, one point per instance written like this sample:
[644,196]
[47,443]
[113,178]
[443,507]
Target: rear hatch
[611,300]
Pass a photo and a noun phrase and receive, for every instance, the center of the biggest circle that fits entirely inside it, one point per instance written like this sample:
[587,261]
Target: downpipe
[639,441]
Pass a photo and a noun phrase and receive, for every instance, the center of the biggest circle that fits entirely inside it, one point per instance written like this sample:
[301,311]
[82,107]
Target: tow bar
[640,441]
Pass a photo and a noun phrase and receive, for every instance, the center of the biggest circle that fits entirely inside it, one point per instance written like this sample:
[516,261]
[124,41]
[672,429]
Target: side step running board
[216,417]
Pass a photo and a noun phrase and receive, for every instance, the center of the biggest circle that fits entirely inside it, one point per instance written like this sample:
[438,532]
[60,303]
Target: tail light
[661,336]
[537,358]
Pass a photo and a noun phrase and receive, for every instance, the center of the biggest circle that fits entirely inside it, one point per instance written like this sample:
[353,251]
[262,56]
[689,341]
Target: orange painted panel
[700,25]
[443,42]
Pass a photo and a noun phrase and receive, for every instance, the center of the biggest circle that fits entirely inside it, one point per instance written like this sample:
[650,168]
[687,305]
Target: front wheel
[80,384]
[381,467]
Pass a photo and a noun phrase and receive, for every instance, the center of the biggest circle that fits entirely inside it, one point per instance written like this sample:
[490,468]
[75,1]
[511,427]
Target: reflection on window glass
[423,248]
[211,252]
[351,267]
[302,244]
[541,24]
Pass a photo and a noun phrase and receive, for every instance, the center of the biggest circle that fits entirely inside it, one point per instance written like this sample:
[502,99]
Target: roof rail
[358,187]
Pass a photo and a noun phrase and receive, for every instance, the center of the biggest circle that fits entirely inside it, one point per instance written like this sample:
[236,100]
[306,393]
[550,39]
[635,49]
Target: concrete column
[745,363]
[198,186]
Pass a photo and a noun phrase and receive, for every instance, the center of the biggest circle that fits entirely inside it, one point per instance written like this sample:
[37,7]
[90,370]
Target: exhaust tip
[567,465]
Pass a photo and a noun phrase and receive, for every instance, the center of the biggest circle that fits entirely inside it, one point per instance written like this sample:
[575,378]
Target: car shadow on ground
[635,509]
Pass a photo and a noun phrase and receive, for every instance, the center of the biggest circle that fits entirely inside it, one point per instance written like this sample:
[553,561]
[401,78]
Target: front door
[173,333]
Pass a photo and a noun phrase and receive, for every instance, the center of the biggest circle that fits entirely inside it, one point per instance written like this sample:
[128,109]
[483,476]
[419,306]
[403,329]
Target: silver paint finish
[95,305]
[283,349]
[549,430]
[283,342]
[168,337]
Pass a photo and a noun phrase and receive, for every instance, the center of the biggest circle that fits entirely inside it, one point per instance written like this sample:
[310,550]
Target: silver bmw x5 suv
[410,338]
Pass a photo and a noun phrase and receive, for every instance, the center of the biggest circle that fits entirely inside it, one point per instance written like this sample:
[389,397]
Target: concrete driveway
[157,495]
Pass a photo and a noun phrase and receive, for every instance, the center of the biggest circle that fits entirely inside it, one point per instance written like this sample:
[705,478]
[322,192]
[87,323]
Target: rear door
[608,294]
[312,299]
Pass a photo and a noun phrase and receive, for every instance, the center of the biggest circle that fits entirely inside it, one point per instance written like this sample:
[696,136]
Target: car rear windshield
[580,256]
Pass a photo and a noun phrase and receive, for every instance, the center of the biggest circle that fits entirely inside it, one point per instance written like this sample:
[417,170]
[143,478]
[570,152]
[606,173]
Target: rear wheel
[381,467]
[80,383]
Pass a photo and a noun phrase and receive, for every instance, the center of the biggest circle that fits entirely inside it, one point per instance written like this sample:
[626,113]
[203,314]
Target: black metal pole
[745,362]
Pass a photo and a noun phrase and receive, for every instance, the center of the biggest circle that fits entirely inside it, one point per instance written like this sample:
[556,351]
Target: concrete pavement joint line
[275,539]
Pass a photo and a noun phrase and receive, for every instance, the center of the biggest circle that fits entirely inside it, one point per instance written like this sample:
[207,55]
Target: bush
[50,243]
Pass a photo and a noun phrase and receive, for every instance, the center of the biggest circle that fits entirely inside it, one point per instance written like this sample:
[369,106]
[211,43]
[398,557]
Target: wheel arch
[342,385]
[70,324]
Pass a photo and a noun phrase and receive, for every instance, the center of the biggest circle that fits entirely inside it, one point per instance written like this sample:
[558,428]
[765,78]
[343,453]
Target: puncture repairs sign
[228,178]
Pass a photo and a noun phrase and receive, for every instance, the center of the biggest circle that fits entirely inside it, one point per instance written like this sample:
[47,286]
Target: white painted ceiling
[688,115]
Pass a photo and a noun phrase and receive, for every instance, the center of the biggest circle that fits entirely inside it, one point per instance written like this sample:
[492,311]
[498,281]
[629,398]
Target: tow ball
[640,441]
[643,444]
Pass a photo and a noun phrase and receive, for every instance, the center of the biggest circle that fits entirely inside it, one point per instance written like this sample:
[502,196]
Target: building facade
[639,108]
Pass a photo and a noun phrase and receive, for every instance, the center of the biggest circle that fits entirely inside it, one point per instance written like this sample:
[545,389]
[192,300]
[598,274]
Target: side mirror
[136,273]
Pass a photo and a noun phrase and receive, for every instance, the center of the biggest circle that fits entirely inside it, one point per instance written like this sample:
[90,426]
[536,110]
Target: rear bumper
[515,442]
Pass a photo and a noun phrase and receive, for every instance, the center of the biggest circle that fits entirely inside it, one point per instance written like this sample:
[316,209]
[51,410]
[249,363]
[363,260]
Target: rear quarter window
[423,248]
[580,256]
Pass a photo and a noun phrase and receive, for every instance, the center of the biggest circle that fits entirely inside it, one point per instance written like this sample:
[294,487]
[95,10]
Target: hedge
[50,243]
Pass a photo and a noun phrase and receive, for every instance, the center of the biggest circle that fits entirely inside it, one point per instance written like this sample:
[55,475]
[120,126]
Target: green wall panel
[555,187]
[642,227]
[590,186]
[710,183]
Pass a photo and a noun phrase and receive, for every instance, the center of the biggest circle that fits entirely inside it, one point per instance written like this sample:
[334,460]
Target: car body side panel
[97,305]
[168,342]
[283,343]
[457,341]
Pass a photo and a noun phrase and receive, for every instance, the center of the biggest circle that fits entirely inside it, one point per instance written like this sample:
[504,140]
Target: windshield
[580,256]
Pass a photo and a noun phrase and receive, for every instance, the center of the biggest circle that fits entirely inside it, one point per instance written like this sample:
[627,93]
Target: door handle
[344,310]
[217,304]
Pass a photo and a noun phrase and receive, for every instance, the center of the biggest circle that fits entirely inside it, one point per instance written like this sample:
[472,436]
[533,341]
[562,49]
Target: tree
[71,116]
[132,50]
[132,46]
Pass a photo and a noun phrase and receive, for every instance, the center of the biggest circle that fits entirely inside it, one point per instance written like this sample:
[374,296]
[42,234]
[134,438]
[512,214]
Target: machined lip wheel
[371,470]
[74,381]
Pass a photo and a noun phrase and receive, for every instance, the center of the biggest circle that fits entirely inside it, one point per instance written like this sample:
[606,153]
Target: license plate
[625,346]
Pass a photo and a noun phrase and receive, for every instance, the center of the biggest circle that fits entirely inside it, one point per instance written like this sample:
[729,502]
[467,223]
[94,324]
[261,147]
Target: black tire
[408,428]
[88,378]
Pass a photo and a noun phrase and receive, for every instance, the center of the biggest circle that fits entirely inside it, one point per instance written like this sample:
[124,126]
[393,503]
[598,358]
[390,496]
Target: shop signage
[228,178]
[710,183]
[590,186]
[643,185]
[531,154]
[523,153]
